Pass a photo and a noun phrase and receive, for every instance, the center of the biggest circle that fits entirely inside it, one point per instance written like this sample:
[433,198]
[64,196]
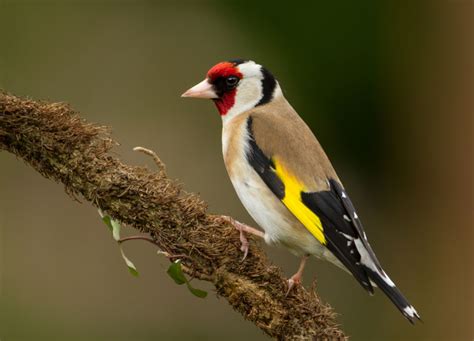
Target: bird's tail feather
[392,292]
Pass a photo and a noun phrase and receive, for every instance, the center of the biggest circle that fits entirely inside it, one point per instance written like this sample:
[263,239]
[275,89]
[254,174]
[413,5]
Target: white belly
[280,225]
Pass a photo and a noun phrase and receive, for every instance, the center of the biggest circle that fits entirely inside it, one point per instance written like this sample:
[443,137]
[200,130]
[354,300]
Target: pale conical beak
[201,90]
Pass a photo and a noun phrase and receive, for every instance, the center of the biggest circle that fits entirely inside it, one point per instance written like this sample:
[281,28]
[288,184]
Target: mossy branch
[54,140]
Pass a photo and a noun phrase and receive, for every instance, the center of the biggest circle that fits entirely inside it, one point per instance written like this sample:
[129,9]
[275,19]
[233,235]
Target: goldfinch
[285,180]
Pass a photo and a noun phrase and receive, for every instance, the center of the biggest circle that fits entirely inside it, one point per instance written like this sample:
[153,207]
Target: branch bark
[54,140]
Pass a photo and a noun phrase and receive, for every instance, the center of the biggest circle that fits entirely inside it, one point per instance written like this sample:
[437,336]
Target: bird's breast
[280,226]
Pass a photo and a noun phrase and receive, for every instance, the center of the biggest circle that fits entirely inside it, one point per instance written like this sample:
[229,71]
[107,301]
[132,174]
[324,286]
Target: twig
[148,239]
[161,166]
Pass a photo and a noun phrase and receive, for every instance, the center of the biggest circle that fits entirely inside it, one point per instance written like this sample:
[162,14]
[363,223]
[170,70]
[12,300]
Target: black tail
[389,289]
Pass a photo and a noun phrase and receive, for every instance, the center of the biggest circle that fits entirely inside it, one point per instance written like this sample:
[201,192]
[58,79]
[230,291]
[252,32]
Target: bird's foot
[244,242]
[295,280]
[242,228]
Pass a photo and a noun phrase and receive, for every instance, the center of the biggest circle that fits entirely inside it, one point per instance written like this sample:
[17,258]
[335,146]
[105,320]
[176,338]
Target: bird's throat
[225,102]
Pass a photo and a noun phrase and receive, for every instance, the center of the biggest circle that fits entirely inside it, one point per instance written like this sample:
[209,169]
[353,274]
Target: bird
[284,179]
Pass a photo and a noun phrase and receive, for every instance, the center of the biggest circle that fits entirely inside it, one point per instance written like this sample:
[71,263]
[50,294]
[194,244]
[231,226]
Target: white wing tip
[410,311]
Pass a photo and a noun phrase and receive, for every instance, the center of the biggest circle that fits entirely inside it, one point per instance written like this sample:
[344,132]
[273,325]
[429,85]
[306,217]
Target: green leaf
[112,224]
[176,272]
[197,292]
[108,221]
[133,271]
[131,267]
[115,229]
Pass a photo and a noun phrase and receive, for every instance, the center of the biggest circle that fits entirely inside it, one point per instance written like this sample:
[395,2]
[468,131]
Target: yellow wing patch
[292,200]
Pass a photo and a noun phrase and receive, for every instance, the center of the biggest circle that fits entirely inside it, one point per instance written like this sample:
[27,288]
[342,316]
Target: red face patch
[216,75]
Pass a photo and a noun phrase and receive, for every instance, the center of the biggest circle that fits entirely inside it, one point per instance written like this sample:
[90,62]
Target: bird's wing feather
[288,158]
[323,212]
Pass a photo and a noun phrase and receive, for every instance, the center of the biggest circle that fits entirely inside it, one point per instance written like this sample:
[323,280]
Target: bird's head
[236,86]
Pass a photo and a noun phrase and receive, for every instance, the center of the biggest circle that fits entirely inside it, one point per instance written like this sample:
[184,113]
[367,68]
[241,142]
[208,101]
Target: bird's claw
[292,282]
[242,228]
[244,247]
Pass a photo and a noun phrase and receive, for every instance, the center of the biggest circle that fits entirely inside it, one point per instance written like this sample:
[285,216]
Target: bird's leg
[242,228]
[296,278]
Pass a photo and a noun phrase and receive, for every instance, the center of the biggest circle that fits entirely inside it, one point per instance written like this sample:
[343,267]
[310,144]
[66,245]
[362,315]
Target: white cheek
[248,95]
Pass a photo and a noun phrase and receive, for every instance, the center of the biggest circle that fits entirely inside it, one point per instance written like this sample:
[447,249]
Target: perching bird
[285,180]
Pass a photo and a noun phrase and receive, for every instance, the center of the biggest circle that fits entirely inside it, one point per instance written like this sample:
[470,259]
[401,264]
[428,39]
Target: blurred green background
[385,85]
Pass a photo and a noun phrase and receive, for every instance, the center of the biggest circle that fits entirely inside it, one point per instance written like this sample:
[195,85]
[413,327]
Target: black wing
[340,229]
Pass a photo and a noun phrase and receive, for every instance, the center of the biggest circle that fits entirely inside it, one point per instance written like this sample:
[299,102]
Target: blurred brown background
[387,88]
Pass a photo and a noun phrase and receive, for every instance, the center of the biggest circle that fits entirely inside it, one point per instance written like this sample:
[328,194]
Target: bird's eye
[231,82]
